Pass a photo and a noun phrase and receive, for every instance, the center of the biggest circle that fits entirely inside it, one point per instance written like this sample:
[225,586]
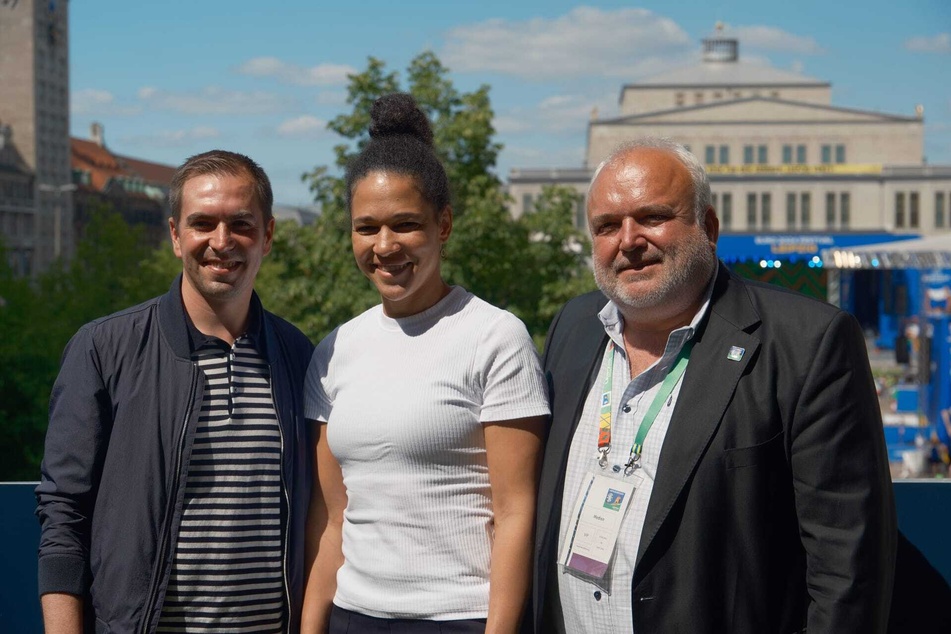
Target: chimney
[97,132]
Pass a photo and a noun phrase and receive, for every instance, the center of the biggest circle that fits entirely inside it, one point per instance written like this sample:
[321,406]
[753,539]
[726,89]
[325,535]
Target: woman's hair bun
[397,113]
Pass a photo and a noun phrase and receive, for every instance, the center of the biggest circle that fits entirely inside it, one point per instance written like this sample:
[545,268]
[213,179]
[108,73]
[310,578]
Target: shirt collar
[198,340]
[613,320]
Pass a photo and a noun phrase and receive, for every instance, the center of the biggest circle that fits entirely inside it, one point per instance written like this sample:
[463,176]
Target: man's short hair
[221,162]
[702,198]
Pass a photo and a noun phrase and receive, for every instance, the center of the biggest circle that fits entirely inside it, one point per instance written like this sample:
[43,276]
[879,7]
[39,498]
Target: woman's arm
[324,537]
[513,453]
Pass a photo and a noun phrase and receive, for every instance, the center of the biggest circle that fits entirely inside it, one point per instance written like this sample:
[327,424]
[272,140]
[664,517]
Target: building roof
[95,159]
[103,166]
[151,173]
[732,74]
[834,114]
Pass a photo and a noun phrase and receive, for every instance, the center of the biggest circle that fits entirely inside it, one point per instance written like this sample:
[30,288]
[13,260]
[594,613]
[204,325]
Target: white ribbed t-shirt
[405,400]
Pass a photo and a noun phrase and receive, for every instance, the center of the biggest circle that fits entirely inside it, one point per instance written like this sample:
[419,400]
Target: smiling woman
[430,410]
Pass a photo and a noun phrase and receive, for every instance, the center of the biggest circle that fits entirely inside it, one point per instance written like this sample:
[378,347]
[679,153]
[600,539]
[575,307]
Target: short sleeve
[318,393]
[512,378]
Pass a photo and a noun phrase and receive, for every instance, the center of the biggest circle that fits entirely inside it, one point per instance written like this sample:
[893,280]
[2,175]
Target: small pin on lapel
[736,353]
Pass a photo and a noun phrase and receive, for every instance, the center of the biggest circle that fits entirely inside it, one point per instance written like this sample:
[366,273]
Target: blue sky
[175,78]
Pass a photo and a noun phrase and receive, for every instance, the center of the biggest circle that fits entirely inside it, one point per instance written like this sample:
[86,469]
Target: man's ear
[173,234]
[711,224]
[268,235]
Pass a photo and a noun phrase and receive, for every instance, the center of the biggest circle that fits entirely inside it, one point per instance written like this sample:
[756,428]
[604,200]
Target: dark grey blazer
[772,508]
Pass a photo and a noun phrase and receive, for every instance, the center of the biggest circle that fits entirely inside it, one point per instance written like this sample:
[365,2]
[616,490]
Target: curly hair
[401,142]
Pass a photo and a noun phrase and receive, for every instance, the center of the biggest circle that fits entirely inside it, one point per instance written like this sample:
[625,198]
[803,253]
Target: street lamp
[57,212]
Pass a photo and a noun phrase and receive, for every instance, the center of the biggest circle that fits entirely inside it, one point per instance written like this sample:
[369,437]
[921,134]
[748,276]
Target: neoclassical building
[781,158]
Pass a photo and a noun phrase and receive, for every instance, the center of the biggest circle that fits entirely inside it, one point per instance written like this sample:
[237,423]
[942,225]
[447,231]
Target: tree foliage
[528,265]
[40,316]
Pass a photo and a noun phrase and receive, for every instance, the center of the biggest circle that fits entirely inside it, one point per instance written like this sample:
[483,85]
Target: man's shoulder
[584,305]
[123,318]
[770,299]
[290,333]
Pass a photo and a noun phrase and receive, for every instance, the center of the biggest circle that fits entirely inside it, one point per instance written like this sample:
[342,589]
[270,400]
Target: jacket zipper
[287,502]
[158,572]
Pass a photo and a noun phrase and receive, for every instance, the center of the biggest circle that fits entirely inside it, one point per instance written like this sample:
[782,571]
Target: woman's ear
[445,223]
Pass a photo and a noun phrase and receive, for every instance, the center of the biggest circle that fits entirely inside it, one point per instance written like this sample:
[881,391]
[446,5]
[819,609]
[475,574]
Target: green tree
[106,275]
[528,266]
[558,254]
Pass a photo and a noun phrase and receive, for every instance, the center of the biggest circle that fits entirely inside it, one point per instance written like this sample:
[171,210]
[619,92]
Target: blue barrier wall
[924,516]
[19,537]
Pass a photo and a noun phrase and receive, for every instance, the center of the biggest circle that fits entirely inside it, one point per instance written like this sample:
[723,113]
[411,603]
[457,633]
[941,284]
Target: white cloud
[769,38]
[558,114]
[332,98]
[320,75]
[585,41]
[940,43]
[303,126]
[214,100]
[173,138]
[94,102]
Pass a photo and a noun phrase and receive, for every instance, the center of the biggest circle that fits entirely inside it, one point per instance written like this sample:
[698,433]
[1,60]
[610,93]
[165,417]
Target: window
[698,97]
[801,154]
[899,209]
[710,155]
[581,216]
[805,209]
[747,154]
[845,209]
[726,213]
[840,153]
[526,203]
[787,154]
[939,209]
[913,210]
[790,210]
[766,210]
[718,95]
[724,155]
[830,209]
[762,155]
[680,99]
[751,210]
[826,154]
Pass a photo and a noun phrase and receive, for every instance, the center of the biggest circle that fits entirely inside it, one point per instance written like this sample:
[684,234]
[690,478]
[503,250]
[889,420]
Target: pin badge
[736,353]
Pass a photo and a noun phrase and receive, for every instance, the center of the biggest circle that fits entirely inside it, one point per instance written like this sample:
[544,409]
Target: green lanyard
[604,419]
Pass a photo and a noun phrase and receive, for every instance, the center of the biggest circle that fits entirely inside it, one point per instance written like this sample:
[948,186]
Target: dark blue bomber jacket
[123,414]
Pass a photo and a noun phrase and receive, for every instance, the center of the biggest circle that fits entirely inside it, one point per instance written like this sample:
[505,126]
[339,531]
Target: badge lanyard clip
[604,419]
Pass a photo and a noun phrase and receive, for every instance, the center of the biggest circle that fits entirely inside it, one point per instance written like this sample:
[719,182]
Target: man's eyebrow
[400,216]
[199,216]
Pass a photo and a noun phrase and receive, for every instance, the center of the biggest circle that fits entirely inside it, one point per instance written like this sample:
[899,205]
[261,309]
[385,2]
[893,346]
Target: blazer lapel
[708,385]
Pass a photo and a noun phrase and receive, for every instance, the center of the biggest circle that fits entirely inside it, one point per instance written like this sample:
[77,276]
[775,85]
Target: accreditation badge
[596,520]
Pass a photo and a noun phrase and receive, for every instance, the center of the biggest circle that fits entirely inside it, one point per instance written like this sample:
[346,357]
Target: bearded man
[716,460]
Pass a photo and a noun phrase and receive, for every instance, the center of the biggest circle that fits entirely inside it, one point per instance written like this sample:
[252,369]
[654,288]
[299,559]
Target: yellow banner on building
[839,168]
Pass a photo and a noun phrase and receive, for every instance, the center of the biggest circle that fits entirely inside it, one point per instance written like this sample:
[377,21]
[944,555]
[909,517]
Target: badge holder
[591,542]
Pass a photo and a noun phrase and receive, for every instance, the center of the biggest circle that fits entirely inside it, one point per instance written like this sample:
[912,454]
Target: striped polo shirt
[228,565]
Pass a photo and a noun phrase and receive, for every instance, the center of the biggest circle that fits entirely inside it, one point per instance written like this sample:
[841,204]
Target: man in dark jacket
[175,479]
[716,461]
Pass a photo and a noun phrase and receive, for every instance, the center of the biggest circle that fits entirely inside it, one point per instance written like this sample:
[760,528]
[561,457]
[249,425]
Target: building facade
[35,180]
[781,158]
[135,188]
